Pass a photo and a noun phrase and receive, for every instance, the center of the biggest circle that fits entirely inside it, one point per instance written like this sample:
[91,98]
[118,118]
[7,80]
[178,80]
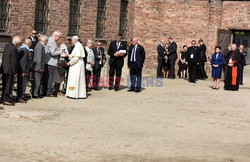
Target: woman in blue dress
[217,63]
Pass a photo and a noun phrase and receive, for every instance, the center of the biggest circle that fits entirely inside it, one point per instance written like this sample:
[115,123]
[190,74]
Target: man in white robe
[76,86]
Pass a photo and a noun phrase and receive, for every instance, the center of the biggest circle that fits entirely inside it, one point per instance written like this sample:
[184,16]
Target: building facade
[214,21]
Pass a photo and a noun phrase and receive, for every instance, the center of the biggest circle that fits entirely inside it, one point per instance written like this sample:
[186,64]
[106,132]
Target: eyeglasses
[98,45]
[33,33]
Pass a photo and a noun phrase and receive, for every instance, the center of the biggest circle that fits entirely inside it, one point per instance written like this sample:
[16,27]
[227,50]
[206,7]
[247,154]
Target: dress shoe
[37,97]
[131,90]
[21,100]
[8,104]
[116,89]
[50,95]
[137,90]
[110,88]
[96,89]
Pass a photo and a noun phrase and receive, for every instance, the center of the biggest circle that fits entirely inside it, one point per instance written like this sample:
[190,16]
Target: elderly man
[100,60]
[161,54]
[116,61]
[136,58]
[90,62]
[76,86]
[10,67]
[23,69]
[232,78]
[51,61]
[38,66]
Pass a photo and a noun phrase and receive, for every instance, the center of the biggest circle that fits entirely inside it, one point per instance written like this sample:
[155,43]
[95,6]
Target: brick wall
[149,20]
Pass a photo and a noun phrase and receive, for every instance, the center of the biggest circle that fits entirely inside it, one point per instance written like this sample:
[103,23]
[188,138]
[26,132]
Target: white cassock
[76,85]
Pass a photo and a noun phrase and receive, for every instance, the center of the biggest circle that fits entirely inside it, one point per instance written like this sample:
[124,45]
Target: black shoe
[110,88]
[192,81]
[137,90]
[50,95]
[116,89]
[37,97]
[131,90]
[96,89]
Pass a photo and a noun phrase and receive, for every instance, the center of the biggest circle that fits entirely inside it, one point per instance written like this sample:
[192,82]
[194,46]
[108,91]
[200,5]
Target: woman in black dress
[183,62]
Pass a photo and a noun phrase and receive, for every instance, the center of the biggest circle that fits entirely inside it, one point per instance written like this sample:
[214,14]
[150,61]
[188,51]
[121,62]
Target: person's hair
[17,40]
[219,47]
[39,34]
[75,37]
[57,32]
[119,34]
[185,46]
[27,41]
[44,38]
[89,41]
[200,40]
[193,41]
[171,38]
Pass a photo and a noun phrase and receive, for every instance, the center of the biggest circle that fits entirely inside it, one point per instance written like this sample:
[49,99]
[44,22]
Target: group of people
[46,64]
[192,58]
[191,61]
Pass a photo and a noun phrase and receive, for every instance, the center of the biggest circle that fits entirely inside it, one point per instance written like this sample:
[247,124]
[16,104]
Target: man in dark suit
[34,39]
[242,63]
[116,61]
[136,58]
[100,60]
[161,54]
[203,60]
[193,61]
[10,67]
[23,69]
[39,66]
[172,56]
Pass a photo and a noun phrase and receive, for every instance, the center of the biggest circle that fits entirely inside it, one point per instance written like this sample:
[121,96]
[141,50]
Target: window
[74,17]
[41,15]
[4,16]
[123,17]
[101,17]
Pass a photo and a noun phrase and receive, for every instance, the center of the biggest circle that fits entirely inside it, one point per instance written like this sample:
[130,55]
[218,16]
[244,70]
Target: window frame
[74,17]
[41,16]
[123,17]
[101,19]
[4,17]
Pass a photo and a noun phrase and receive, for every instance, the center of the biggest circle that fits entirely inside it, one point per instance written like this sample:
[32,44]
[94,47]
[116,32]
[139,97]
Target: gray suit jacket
[52,55]
[39,57]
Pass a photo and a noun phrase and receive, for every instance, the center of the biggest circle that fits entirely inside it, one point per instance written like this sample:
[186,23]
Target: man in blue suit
[136,58]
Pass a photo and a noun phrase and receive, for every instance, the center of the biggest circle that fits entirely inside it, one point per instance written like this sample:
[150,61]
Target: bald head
[28,42]
[135,41]
[163,41]
[17,41]
[233,47]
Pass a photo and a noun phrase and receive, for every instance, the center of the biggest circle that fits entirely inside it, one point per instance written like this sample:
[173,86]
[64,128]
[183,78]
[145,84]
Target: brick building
[215,21]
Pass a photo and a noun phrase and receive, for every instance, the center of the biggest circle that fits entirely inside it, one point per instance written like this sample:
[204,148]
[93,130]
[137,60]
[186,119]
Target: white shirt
[133,55]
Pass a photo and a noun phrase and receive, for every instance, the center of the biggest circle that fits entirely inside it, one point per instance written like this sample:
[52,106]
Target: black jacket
[193,55]
[203,49]
[9,59]
[140,56]
[161,51]
[23,60]
[113,49]
[97,59]
[172,49]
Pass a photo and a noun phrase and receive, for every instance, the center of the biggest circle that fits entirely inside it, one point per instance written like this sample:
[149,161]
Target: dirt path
[179,122]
